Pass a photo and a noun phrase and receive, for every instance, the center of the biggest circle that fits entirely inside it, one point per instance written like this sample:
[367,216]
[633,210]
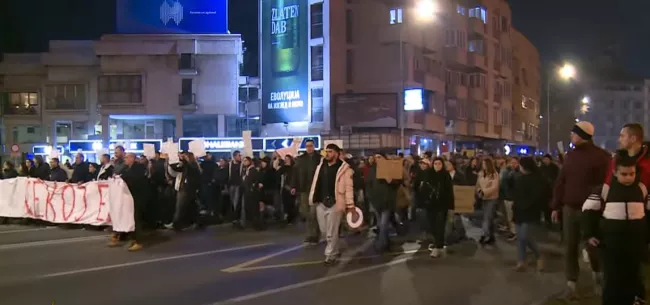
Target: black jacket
[381,193]
[305,170]
[58,174]
[191,176]
[135,178]
[437,190]
[40,171]
[107,173]
[80,173]
[9,173]
[529,198]
[208,168]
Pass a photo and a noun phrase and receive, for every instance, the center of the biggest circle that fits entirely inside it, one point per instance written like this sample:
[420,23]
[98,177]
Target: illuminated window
[478,13]
[396,15]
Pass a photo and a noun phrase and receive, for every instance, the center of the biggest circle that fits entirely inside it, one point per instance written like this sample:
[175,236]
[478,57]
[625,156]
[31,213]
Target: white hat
[583,129]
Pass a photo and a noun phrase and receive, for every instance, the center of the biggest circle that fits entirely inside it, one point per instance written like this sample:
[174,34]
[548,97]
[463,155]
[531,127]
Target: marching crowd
[599,202]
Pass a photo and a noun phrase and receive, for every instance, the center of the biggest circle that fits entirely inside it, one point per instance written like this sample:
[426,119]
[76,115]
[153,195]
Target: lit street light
[585,100]
[565,73]
[425,10]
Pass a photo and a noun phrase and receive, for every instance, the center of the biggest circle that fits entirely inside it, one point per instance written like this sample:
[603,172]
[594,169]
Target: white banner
[95,203]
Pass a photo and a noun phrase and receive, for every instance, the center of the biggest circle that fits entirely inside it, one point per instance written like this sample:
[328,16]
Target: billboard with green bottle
[284,60]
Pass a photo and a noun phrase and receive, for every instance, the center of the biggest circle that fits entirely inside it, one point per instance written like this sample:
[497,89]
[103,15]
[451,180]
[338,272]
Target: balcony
[477,94]
[455,56]
[187,99]
[456,91]
[475,59]
[477,26]
[187,65]
[63,104]
[23,104]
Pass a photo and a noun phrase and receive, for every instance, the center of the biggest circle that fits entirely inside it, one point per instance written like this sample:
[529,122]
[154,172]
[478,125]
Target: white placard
[54,153]
[149,150]
[107,202]
[248,144]
[197,147]
[560,147]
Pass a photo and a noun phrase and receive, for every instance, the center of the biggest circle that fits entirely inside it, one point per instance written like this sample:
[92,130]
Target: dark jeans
[289,205]
[437,223]
[622,254]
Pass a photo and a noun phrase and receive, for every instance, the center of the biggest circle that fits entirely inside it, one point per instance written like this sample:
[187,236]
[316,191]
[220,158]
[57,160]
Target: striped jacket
[616,207]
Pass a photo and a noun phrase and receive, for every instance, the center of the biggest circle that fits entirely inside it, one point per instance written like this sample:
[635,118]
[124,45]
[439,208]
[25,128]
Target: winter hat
[584,130]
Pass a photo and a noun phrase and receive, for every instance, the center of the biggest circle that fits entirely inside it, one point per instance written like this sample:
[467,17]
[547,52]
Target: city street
[224,266]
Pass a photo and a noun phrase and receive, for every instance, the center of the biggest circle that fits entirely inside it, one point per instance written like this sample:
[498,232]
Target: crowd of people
[598,202]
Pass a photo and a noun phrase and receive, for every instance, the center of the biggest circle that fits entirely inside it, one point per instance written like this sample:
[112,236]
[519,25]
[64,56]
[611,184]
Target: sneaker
[135,246]
[511,237]
[437,253]
[331,260]
[569,293]
[310,241]
[115,241]
[520,267]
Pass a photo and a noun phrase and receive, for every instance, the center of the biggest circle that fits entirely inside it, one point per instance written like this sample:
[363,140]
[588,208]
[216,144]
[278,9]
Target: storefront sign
[284,61]
[222,144]
[271,144]
[132,146]
[46,149]
[172,16]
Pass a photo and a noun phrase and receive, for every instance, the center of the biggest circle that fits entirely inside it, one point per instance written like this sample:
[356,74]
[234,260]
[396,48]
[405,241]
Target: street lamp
[585,100]
[565,73]
[425,11]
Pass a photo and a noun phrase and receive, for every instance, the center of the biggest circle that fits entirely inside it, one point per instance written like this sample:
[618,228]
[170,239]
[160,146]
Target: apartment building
[123,87]
[526,91]
[611,104]
[375,68]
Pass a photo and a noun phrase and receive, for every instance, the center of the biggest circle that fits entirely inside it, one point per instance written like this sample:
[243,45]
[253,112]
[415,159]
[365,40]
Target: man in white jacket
[333,194]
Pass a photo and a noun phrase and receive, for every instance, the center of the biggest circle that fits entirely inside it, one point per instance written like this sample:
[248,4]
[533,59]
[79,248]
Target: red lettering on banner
[102,203]
[48,204]
[82,187]
[74,201]
[37,200]
[28,209]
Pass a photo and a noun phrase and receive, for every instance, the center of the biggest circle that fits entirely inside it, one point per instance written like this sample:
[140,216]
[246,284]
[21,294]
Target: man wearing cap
[332,193]
[585,167]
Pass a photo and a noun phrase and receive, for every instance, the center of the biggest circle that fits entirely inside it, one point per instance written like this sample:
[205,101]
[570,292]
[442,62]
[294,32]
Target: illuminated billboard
[284,59]
[172,16]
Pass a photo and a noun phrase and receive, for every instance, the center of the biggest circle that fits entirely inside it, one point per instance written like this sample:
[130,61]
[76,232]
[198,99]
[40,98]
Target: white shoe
[585,256]
[436,253]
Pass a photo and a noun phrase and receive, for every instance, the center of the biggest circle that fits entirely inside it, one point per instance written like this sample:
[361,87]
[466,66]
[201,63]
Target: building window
[120,89]
[317,63]
[461,10]
[316,12]
[478,13]
[477,80]
[504,24]
[26,134]
[187,93]
[476,46]
[348,26]
[349,67]
[62,97]
[20,103]
[317,112]
[396,15]
[637,105]
[186,62]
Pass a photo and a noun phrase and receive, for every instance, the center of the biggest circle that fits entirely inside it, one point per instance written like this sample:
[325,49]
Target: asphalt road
[224,266]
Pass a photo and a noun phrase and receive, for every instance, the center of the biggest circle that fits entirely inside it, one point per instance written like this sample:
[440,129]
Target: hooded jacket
[642,163]
[344,186]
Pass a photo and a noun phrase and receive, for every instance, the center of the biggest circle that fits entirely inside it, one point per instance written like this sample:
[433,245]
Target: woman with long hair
[487,190]
[441,201]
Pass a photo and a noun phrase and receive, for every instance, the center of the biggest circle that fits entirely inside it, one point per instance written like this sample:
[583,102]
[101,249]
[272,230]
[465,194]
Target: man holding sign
[332,193]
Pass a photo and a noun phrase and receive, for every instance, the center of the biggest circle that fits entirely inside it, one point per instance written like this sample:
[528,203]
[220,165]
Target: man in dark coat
[584,169]
[305,169]
[135,177]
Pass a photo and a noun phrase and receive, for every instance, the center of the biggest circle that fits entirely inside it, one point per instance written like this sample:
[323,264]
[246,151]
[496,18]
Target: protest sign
[464,197]
[98,203]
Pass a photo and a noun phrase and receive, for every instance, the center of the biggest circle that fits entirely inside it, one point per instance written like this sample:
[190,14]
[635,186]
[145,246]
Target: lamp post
[566,72]
[425,11]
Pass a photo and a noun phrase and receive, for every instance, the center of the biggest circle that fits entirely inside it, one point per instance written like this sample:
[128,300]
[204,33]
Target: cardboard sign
[464,198]
[389,169]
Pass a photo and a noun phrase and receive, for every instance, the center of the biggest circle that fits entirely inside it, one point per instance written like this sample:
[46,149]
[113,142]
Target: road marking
[51,242]
[26,230]
[311,282]
[244,265]
[317,262]
[149,261]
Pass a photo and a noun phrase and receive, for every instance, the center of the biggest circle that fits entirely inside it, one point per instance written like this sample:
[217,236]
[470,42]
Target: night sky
[561,29]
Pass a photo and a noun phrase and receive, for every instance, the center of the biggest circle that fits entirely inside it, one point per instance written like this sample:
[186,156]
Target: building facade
[526,91]
[380,68]
[123,87]
[610,105]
